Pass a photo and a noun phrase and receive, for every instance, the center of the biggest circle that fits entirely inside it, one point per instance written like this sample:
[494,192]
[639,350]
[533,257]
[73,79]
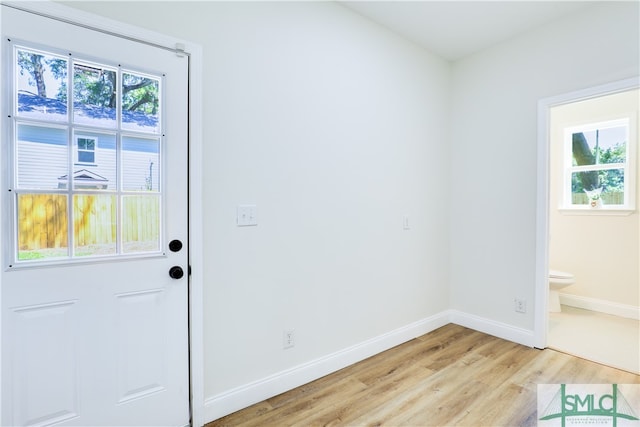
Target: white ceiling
[454,29]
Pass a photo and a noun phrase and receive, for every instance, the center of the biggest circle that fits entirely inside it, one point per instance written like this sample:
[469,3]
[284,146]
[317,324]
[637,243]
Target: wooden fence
[43,223]
[607,198]
[141,221]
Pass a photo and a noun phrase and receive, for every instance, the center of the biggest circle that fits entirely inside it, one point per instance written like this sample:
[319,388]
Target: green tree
[583,155]
[612,181]
[139,94]
[92,85]
[33,64]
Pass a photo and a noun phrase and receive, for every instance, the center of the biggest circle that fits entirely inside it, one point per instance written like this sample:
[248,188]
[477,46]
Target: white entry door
[94,277]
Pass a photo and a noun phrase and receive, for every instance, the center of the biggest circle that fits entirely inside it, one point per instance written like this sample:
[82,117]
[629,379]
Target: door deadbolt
[175,245]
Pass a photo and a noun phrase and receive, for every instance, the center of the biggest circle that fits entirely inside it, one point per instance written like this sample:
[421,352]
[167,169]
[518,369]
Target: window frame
[78,150]
[629,168]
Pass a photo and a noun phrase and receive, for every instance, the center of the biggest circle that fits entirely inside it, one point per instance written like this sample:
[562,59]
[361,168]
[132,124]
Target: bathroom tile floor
[602,338]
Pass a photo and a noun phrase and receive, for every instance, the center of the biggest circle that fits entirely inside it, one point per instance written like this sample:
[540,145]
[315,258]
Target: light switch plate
[405,222]
[247,215]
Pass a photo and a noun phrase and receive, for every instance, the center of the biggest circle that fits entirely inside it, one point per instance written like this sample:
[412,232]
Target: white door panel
[98,340]
[53,381]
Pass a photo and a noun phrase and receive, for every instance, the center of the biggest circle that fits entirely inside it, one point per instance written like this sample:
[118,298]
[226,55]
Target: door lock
[175,245]
[176,272]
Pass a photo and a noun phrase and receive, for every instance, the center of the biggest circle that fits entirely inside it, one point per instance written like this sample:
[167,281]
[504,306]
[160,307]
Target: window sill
[597,211]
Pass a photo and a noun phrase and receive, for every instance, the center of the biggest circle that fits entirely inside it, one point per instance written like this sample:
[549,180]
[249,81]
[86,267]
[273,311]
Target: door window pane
[141,224]
[94,224]
[41,85]
[42,157]
[140,103]
[65,161]
[42,226]
[94,95]
[140,164]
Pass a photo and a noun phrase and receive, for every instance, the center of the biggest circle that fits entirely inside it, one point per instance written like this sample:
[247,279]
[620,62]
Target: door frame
[541,317]
[194,52]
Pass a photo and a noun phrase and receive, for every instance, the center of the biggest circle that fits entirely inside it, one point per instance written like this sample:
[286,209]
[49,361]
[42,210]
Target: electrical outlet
[288,339]
[246,215]
[520,305]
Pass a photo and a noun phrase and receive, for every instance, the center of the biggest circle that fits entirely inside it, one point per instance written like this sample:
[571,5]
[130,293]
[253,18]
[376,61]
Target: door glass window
[94,95]
[41,85]
[87,173]
[36,171]
[140,103]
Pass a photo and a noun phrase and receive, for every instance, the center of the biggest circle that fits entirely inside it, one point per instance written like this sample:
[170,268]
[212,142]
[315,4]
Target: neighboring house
[94,154]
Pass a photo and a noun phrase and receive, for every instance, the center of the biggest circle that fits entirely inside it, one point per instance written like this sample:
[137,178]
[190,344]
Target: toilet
[557,280]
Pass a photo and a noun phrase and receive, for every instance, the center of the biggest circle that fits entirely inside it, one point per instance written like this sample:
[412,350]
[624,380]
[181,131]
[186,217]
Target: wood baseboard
[492,327]
[602,306]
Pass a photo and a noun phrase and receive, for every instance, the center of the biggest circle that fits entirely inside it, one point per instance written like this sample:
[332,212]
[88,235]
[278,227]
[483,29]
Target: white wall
[600,250]
[335,128]
[493,122]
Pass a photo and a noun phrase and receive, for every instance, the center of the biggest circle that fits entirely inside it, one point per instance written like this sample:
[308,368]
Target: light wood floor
[453,376]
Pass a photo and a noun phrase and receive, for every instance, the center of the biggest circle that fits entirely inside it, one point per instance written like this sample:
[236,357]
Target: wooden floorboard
[453,376]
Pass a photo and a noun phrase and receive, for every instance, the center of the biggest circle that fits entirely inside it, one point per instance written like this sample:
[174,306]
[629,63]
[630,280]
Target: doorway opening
[589,237]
